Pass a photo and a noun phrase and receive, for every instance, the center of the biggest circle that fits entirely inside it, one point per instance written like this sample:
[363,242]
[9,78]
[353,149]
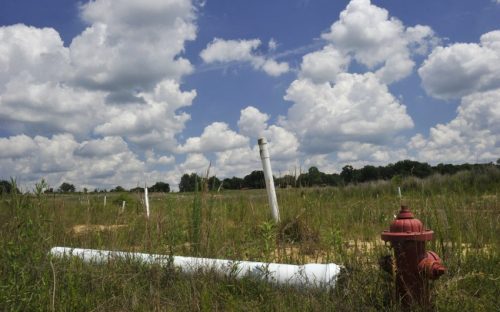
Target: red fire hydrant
[414,265]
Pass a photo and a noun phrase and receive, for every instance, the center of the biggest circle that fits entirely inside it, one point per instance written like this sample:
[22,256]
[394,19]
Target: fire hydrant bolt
[414,265]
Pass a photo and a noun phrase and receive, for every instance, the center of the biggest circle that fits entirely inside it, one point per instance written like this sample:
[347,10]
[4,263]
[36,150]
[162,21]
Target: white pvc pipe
[307,275]
[268,176]
[146,200]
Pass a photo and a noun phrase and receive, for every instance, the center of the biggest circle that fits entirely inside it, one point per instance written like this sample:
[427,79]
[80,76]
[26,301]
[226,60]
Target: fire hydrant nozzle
[431,266]
[414,265]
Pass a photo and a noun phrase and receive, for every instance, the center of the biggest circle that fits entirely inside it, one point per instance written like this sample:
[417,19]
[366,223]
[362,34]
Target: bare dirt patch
[81,229]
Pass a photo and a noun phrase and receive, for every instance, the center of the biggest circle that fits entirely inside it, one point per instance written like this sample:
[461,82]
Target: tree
[412,168]
[285,181]
[233,183]
[160,187]
[190,183]
[314,176]
[386,172]
[303,179]
[347,174]
[254,180]
[368,173]
[137,189]
[333,179]
[6,187]
[66,188]
[117,189]
[213,183]
[446,168]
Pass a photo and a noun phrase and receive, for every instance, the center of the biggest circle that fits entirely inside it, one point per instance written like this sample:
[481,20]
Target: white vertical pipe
[123,206]
[146,200]
[104,200]
[268,176]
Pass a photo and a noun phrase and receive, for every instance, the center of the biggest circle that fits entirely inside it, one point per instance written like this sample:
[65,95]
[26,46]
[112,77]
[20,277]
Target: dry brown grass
[81,229]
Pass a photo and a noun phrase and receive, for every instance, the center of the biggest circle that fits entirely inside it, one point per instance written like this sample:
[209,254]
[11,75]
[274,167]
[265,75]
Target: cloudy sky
[121,92]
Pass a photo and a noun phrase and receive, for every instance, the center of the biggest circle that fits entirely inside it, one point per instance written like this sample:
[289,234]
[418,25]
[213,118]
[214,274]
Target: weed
[340,224]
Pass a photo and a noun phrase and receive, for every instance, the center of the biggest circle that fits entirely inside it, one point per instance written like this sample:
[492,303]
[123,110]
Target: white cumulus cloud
[61,158]
[16,146]
[324,65]
[238,162]
[194,163]
[361,154]
[282,143]
[378,41]
[463,68]
[215,138]
[225,51]
[132,44]
[252,122]
[35,52]
[356,108]
[220,50]
[101,147]
[154,122]
[73,110]
[473,136]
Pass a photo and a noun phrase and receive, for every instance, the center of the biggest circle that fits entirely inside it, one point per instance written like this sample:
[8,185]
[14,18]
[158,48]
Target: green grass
[340,225]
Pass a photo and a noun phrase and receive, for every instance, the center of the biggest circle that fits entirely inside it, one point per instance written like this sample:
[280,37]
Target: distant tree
[118,189]
[347,174]
[66,188]
[285,181]
[160,187]
[368,173]
[422,170]
[185,184]
[254,180]
[6,187]
[446,168]
[333,179]
[233,183]
[314,176]
[49,190]
[136,189]
[213,183]
[386,172]
[412,168]
[303,179]
[190,183]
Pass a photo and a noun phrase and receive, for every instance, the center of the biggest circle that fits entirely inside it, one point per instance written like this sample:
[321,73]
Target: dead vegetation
[81,229]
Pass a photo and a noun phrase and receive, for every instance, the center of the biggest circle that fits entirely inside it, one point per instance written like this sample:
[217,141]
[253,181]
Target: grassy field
[340,225]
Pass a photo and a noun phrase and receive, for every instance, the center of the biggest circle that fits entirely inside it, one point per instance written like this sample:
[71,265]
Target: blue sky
[107,93]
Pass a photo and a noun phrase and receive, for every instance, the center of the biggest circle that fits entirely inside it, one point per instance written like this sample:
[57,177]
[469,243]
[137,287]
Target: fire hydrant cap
[406,227]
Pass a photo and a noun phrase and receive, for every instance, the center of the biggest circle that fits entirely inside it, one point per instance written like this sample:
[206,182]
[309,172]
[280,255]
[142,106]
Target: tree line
[6,187]
[313,177]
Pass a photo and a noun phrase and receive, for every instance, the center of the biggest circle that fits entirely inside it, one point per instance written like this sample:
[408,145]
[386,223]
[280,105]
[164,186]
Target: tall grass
[340,225]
